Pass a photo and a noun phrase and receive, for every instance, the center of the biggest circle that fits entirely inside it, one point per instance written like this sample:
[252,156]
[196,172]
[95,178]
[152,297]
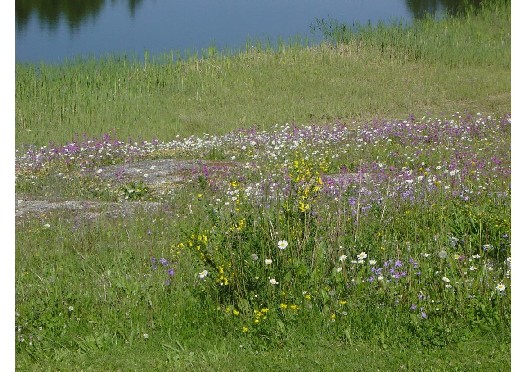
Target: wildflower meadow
[392,231]
[339,207]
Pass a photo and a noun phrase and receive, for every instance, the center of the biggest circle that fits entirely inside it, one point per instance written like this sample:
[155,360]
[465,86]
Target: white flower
[380,278]
[362,256]
[268,261]
[343,258]
[282,244]
[372,262]
[339,270]
[47,225]
[501,287]
[273,281]
[254,256]
[70,308]
[145,335]
[203,274]
[442,254]
[445,279]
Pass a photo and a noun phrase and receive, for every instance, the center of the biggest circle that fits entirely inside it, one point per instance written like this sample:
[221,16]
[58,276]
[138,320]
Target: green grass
[430,213]
[433,67]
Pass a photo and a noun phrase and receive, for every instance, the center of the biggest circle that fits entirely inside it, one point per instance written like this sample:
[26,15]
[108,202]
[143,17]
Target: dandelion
[500,287]
[282,244]
[362,256]
[203,274]
[273,281]
[254,257]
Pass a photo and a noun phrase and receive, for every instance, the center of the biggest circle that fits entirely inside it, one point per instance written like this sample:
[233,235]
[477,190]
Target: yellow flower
[245,329]
[333,317]
[294,307]
[342,302]
[308,297]
[283,306]
[264,310]
[235,312]
[303,206]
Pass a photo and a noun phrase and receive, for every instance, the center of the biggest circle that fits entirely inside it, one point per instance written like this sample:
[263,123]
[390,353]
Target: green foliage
[460,40]
[135,190]
[446,66]
[318,249]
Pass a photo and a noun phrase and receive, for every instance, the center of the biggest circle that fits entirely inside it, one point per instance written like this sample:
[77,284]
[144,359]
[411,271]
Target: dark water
[56,30]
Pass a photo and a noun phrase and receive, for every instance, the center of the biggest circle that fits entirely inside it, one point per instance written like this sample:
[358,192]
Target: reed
[432,67]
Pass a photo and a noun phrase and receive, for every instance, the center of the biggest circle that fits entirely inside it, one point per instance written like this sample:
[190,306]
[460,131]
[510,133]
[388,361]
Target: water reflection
[73,12]
[420,8]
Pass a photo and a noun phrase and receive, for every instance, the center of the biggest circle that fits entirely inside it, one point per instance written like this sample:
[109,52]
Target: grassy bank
[368,245]
[431,68]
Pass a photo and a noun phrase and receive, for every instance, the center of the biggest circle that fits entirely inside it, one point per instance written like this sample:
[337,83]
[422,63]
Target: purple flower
[163,261]
[413,307]
[171,272]
[423,315]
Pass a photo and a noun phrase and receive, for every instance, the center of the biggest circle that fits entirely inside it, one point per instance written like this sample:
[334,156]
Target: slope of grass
[432,67]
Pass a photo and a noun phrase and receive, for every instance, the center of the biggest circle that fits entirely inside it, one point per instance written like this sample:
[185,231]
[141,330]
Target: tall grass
[379,243]
[432,67]
[479,37]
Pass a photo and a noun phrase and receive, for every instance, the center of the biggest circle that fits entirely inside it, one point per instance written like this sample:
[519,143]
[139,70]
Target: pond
[58,30]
